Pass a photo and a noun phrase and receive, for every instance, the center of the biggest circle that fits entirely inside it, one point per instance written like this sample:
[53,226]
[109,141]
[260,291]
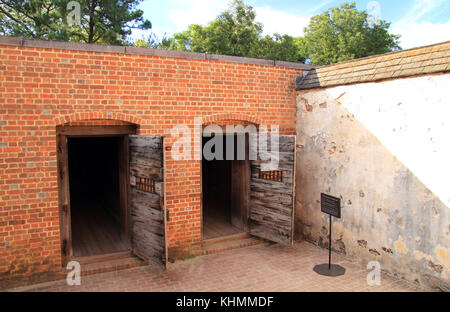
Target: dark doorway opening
[96,223]
[225,192]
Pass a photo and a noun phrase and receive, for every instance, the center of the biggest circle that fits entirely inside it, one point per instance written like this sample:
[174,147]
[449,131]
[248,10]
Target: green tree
[101,21]
[233,32]
[194,39]
[2,24]
[152,41]
[344,33]
[37,19]
[280,47]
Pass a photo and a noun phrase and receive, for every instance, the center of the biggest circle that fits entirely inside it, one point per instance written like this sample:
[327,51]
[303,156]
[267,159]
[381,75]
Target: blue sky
[420,22]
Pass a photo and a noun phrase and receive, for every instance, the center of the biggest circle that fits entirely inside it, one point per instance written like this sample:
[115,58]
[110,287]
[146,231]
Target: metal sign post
[331,206]
[329,248]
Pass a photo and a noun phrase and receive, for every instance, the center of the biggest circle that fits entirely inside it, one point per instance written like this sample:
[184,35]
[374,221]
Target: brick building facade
[356,130]
[44,85]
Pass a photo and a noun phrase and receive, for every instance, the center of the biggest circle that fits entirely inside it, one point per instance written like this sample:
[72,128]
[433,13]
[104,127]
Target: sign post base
[331,206]
[327,270]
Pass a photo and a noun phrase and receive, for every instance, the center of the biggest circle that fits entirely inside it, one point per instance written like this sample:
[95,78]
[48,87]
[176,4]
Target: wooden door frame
[244,212]
[62,135]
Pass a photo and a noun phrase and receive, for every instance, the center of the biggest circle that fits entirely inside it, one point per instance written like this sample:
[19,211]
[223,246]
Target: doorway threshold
[223,243]
[108,262]
[102,257]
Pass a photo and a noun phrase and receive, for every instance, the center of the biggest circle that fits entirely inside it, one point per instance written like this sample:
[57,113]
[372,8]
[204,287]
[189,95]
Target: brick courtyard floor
[263,267]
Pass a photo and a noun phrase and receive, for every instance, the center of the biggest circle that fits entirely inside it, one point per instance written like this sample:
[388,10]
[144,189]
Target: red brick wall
[41,88]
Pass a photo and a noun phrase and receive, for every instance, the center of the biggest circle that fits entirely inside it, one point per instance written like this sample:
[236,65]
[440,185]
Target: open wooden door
[148,217]
[271,209]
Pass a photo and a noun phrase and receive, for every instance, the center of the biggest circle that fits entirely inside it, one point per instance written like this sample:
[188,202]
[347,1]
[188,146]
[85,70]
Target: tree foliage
[339,34]
[344,33]
[32,19]
[280,47]
[101,21]
[235,32]
[152,42]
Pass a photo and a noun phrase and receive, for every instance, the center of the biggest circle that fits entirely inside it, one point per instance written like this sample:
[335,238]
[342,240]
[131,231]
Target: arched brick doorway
[93,175]
[239,195]
[226,179]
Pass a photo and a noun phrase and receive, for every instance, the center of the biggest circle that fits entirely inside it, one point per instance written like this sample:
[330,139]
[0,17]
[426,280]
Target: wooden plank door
[271,209]
[148,217]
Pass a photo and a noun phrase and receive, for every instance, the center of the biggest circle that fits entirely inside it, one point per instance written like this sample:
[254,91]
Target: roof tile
[439,68]
[418,61]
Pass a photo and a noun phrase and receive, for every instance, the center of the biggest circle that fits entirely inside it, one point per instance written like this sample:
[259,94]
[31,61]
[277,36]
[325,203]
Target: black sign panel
[330,205]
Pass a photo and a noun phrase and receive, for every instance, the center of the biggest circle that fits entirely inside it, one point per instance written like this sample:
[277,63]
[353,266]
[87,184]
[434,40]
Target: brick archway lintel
[97,116]
[231,116]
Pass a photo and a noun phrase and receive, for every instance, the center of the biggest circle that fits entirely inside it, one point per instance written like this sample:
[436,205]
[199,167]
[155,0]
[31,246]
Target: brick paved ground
[263,267]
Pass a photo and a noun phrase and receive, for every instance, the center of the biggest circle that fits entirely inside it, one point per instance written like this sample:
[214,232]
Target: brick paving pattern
[263,267]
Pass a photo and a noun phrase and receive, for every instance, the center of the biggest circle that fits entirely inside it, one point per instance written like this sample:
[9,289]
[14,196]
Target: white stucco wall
[384,148]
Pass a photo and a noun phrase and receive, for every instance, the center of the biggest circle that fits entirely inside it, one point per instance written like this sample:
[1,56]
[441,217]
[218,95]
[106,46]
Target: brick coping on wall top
[51,44]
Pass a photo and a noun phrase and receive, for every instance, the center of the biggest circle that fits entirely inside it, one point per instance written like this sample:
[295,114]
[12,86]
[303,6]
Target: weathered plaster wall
[383,148]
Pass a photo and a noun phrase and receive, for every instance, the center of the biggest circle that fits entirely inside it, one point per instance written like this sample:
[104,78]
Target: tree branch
[17,21]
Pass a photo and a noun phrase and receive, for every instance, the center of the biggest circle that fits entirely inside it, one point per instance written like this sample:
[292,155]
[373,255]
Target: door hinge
[167,215]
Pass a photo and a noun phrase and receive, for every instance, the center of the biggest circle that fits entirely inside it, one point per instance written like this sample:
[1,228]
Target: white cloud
[195,12]
[416,32]
[281,22]
[204,11]
[419,9]
[421,34]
